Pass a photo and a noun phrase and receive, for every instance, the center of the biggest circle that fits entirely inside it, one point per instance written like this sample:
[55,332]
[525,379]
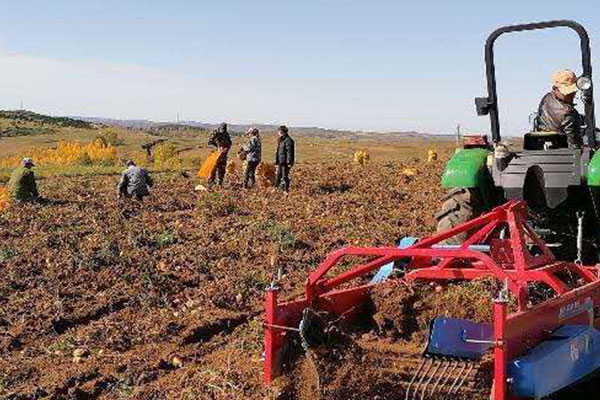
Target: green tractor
[560,184]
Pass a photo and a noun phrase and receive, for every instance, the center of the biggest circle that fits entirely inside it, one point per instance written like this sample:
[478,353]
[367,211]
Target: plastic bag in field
[209,165]
[409,172]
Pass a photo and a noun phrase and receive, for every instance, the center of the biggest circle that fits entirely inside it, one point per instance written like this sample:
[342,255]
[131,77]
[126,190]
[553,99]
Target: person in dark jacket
[222,141]
[21,185]
[557,113]
[134,182]
[284,158]
[253,150]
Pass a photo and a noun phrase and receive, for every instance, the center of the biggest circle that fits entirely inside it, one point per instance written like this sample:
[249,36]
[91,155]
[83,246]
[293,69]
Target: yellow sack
[361,157]
[209,165]
[431,155]
[4,199]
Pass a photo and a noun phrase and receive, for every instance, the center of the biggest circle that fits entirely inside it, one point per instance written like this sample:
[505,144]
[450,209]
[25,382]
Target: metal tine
[465,376]
[414,378]
[450,373]
[425,373]
[462,369]
[446,363]
[438,364]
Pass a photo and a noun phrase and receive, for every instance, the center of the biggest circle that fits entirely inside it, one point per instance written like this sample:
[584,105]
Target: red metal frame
[474,140]
[509,237]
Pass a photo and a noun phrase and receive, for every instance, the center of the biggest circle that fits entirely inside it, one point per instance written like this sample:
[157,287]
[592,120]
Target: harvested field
[107,299]
[104,299]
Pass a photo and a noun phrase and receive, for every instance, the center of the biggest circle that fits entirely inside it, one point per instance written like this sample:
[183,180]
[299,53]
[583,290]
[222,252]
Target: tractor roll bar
[490,104]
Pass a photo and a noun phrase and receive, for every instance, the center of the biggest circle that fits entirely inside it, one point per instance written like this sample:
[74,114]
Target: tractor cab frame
[558,182]
[489,105]
[546,168]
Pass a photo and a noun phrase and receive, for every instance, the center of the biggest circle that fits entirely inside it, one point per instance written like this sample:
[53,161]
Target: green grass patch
[6,253]
[279,233]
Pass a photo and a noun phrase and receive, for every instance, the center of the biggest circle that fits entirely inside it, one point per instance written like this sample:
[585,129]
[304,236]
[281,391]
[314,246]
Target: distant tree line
[30,116]
[14,131]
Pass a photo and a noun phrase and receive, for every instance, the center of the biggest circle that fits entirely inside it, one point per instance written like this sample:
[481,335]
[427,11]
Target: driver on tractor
[557,113]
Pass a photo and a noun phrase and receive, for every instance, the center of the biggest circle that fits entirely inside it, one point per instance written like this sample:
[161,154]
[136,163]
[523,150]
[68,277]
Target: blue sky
[371,65]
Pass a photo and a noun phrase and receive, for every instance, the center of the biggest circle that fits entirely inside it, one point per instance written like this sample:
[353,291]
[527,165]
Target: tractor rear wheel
[460,205]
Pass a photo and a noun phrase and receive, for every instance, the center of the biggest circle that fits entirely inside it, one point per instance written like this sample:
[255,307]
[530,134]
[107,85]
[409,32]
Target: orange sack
[4,199]
[266,174]
[209,165]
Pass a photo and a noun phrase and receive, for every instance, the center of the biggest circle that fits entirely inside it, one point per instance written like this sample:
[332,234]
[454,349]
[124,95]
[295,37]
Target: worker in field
[557,113]
[22,186]
[284,158]
[253,150]
[222,141]
[134,182]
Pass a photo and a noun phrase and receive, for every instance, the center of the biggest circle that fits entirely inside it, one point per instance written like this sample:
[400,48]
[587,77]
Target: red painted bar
[500,353]
[535,322]
[271,337]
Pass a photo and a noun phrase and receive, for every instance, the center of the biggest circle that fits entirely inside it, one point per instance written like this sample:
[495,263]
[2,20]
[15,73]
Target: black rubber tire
[460,205]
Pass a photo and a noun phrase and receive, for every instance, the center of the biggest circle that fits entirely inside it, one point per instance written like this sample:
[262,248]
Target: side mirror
[584,83]
[483,105]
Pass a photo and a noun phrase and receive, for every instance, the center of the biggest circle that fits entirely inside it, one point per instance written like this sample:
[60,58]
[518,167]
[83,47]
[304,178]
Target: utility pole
[457,136]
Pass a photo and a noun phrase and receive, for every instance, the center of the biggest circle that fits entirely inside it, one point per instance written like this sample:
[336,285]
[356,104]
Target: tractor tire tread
[460,205]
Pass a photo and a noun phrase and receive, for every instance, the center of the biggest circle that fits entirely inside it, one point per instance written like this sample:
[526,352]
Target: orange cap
[565,81]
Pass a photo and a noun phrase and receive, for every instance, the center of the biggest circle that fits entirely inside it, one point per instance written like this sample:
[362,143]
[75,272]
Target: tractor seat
[537,140]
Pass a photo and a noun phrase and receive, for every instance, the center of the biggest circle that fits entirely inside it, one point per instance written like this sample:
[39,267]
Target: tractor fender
[593,173]
[467,169]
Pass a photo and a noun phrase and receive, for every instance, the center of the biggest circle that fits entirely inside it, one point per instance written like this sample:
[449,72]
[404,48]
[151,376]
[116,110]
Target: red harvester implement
[501,245]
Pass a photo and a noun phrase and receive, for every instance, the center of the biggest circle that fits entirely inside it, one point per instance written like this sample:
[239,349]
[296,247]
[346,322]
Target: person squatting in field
[284,158]
[222,141]
[253,150]
[134,182]
[21,185]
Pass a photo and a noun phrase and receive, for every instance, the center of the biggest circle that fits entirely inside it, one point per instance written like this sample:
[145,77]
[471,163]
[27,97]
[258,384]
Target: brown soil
[103,299]
[107,299]
[380,361]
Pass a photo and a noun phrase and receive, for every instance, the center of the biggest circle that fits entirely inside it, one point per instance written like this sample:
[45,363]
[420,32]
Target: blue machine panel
[571,355]
[459,338]
[384,272]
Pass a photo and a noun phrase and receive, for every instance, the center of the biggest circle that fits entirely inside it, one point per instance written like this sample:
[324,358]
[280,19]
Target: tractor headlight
[584,83]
